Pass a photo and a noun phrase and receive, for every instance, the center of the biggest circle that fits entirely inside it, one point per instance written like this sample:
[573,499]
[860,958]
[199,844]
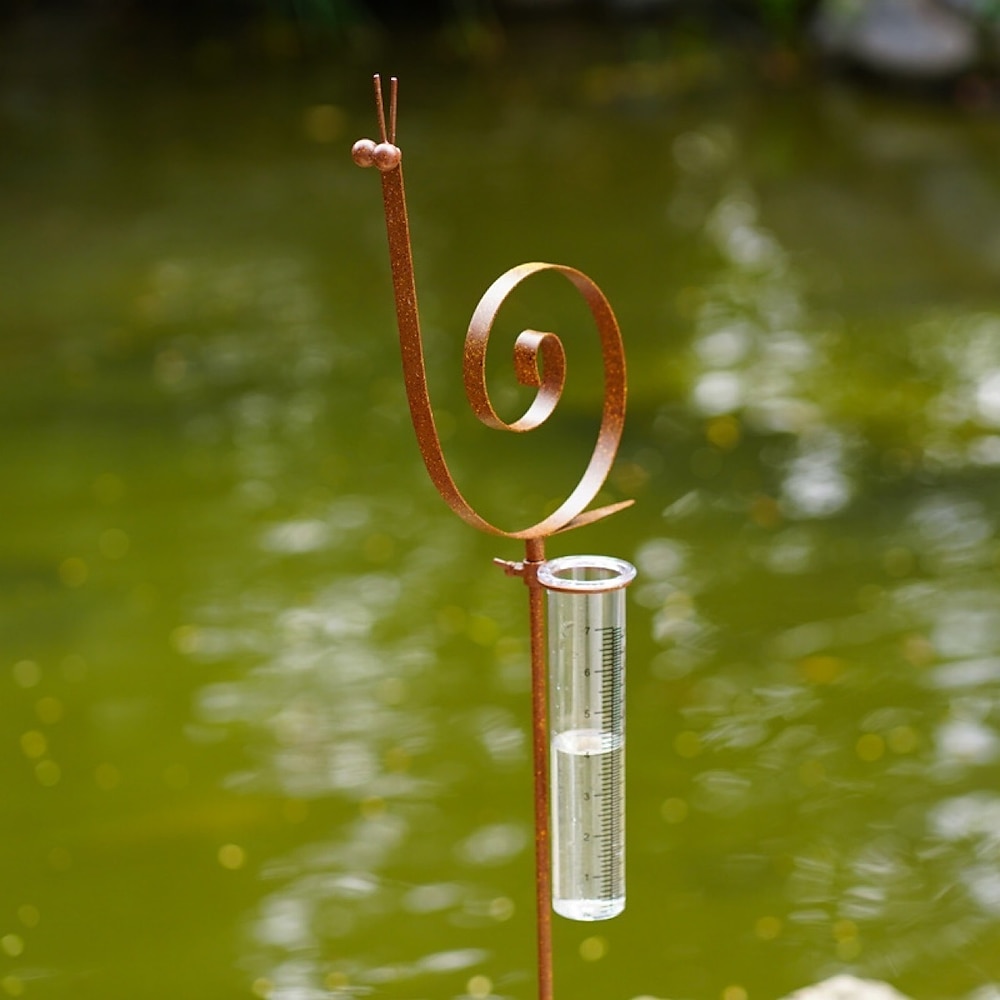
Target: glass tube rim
[548,574]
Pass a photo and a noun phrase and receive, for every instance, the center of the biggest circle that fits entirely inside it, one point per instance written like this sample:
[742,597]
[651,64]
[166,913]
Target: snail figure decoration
[539,362]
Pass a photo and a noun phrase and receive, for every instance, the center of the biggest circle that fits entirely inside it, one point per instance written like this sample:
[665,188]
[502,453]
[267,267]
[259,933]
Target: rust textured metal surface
[534,556]
[539,357]
[540,362]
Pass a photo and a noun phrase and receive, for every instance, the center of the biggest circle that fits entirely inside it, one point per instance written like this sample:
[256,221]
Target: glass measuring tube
[586,631]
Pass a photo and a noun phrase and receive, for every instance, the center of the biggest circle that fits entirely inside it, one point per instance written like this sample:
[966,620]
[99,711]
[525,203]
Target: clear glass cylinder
[586,639]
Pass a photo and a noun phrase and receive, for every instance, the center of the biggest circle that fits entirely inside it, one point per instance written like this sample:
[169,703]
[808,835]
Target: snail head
[385,155]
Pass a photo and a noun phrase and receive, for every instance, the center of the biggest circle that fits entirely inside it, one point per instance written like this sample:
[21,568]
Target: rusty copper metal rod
[534,556]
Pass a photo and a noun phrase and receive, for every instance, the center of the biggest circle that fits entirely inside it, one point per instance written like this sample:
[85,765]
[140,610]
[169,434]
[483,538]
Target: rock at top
[920,39]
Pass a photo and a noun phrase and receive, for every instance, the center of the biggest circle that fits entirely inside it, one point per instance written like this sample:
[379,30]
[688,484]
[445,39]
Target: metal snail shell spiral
[539,357]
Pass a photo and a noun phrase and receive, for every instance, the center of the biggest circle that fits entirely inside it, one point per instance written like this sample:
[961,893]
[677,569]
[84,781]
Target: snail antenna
[393,92]
[380,107]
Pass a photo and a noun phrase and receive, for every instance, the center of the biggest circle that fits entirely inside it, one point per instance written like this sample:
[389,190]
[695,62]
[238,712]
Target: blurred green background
[264,699]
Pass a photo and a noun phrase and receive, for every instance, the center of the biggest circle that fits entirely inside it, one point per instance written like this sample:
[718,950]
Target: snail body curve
[539,357]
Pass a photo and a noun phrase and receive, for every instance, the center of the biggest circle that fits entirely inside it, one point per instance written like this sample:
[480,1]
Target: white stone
[848,988]
[915,38]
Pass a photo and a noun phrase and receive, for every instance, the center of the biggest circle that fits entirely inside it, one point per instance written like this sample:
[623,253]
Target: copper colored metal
[539,361]
[534,556]
[539,357]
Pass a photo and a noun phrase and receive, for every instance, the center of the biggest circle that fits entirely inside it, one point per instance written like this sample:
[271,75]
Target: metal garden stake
[578,713]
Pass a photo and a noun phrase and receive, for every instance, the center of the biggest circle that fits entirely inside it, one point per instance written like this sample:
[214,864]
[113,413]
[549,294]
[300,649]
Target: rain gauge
[578,658]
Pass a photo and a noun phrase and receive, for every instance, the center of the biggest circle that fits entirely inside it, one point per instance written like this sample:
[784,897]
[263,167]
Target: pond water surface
[264,699]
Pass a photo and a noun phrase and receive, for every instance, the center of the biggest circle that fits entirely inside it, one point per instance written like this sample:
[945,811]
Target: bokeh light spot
[734,993]
[724,432]
[903,739]
[12,945]
[768,928]
[765,511]
[184,639]
[48,773]
[29,915]
[593,949]
[821,669]
[479,987]
[451,618]
[687,744]
[918,650]
[870,747]
[12,986]
[674,810]
[501,908]
[323,122]
[848,950]
[34,744]
[718,392]
[49,710]
[844,930]
[232,857]
[482,631]
[26,673]
[73,572]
